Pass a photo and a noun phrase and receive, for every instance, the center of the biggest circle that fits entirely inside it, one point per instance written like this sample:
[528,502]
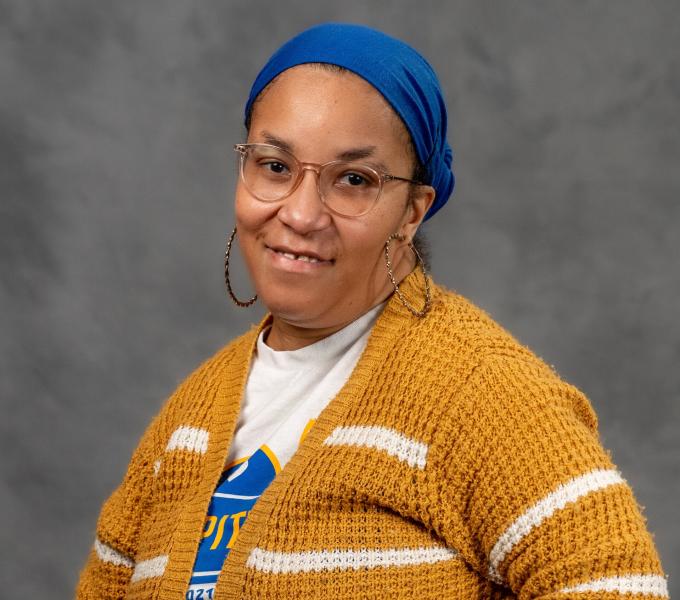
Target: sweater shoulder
[223,358]
[192,401]
[475,355]
[472,334]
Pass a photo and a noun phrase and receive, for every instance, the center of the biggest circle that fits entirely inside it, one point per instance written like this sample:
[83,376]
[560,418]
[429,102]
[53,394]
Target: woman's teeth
[302,257]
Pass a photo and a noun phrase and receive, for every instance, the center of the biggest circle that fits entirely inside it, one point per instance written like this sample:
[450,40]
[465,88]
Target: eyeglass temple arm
[396,178]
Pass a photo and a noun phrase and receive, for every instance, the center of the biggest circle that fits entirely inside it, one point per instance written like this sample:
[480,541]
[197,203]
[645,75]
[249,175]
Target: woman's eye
[353,179]
[275,167]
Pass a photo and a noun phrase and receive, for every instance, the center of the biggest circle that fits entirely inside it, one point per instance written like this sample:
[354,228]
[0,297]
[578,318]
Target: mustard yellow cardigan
[454,463]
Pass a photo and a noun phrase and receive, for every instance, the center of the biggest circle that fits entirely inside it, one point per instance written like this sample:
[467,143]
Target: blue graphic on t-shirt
[239,488]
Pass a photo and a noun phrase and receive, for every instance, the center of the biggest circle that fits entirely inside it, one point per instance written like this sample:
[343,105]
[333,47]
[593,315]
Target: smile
[296,260]
[301,257]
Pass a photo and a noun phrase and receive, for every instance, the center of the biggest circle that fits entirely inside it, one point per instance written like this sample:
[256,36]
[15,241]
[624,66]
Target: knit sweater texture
[454,463]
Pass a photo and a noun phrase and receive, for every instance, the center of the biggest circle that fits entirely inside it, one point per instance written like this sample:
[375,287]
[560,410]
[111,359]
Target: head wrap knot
[397,71]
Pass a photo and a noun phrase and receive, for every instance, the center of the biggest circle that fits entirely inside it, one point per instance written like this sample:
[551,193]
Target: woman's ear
[419,203]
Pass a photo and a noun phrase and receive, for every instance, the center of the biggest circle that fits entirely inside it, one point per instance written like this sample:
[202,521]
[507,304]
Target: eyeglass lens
[270,173]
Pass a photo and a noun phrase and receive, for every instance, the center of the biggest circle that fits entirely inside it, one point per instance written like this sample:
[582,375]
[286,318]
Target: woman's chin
[304,310]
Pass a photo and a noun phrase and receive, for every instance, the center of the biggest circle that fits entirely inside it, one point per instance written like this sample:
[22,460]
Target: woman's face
[322,116]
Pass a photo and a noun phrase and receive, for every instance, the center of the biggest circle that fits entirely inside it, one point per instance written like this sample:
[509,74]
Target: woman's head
[399,73]
[312,264]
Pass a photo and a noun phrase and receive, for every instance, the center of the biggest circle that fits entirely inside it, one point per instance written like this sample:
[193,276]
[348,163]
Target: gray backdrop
[116,126]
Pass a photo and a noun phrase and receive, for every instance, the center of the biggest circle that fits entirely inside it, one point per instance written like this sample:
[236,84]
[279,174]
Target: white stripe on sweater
[408,450]
[152,567]
[652,585]
[234,496]
[269,561]
[565,494]
[189,438]
[109,555]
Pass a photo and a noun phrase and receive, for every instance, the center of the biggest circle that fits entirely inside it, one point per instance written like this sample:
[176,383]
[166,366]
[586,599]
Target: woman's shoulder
[454,338]
[225,357]
[471,330]
[193,397]
[498,365]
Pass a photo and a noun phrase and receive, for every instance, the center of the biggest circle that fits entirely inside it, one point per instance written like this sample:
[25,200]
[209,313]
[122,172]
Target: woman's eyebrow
[357,153]
[360,154]
[349,154]
[274,141]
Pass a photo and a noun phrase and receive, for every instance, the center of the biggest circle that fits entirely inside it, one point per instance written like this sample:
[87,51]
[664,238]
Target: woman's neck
[288,335]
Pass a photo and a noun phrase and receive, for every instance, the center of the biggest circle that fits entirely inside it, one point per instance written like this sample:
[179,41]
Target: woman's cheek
[249,212]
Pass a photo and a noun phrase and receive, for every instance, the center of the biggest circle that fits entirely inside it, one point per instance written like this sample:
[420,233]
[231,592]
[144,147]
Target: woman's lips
[299,254]
[302,257]
[296,261]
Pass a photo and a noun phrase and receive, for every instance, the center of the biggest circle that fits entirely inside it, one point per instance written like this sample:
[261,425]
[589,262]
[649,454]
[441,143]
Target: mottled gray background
[116,178]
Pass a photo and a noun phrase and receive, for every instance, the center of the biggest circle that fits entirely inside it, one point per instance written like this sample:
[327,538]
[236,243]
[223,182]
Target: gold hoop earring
[428,299]
[227,252]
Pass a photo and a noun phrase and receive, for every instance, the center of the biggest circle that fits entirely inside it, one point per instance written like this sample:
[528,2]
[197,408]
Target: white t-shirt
[288,389]
[284,394]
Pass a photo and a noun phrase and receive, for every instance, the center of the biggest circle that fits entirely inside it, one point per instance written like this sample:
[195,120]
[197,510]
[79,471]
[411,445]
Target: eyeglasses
[348,188]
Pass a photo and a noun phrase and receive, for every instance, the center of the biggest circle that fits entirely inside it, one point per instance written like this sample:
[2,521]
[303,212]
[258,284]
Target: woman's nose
[304,211]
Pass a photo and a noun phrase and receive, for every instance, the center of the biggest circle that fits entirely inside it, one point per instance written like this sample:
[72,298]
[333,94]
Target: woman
[376,436]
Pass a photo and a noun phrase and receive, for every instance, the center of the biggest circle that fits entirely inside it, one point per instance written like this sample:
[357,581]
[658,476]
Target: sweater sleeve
[111,561]
[530,496]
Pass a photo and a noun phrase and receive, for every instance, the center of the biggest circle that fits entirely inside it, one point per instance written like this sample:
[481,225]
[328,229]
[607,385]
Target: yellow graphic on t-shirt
[305,431]
[272,457]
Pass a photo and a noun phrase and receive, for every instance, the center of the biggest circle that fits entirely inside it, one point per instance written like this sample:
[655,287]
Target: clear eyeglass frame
[318,168]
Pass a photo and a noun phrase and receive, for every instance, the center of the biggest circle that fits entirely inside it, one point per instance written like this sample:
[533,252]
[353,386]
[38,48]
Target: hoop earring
[428,299]
[227,252]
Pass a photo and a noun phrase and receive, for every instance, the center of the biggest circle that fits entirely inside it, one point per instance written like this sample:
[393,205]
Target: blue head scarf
[396,70]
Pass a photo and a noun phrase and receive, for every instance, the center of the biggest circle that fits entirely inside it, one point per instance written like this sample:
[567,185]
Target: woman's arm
[110,565]
[532,498]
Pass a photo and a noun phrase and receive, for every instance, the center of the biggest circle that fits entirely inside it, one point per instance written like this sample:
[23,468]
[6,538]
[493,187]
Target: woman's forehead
[308,77]
[308,103]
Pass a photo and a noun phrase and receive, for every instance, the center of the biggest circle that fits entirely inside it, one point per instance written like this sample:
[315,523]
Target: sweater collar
[328,350]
